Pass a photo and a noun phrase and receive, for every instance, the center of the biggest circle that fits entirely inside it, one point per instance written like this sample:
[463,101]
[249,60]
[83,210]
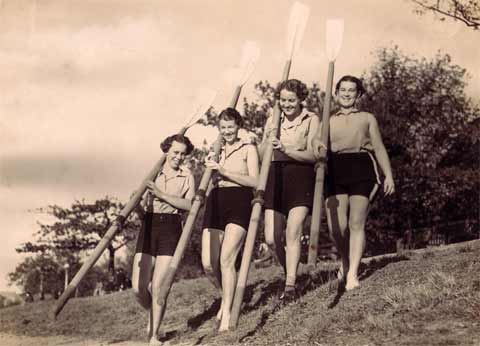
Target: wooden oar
[334,37]
[296,27]
[250,55]
[202,104]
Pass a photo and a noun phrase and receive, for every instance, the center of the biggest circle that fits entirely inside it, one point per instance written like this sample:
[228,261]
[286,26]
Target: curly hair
[293,85]
[360,89]
[231,114]
[167,143]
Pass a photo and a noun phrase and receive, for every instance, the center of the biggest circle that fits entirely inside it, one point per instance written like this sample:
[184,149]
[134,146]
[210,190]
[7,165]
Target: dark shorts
[159,234]
[290,184]
[354,174]
[228,205]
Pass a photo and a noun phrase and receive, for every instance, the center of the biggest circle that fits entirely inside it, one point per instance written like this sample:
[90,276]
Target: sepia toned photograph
[225,172]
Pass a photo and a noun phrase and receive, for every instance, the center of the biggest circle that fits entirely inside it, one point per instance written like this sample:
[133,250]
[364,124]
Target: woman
[228,209]
[352,175]
[172,192]
[291,179]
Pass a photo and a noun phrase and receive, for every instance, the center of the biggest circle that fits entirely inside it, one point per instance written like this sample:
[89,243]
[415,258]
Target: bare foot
[352,283]
[224,324]
[155,342]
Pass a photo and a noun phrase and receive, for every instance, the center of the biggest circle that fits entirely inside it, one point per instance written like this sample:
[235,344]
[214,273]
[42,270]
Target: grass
[429,298]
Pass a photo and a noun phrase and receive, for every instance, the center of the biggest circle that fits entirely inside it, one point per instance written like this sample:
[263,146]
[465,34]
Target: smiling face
[347,94]
[228,130]
[289,103]
[176,154]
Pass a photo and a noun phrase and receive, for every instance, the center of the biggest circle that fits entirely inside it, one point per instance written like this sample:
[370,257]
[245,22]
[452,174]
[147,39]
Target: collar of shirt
[297,121]
[171,173]
[233,148]
[345,112]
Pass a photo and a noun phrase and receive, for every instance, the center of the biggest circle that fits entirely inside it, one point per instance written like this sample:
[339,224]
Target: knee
[293,233]
[207,267]
[227,262]
[356,225]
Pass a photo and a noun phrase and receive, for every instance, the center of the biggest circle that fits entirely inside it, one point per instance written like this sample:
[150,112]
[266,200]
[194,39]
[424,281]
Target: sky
[88,89]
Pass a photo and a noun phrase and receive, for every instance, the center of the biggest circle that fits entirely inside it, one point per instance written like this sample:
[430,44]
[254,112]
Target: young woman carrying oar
[172,190]
[229,207]
[352,175]
[291,179]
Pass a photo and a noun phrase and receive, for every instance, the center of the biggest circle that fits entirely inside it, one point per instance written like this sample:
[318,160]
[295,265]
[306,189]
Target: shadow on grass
[195,322]
[366,270]
[305,283]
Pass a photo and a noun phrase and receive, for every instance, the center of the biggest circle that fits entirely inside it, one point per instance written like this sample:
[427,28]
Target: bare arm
[381,154]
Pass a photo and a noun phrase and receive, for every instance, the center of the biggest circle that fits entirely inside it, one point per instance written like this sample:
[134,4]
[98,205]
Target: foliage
[430,129]
[38,274]
[80,228]
[466,11]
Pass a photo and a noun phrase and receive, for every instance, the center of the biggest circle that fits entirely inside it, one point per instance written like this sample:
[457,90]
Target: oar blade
[334,37]
[296,27]
[250,56]
[201,105]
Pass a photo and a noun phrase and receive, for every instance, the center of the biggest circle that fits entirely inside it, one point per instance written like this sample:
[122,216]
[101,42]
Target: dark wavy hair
[293,85]
[167,143]
[360,89]
[231,114]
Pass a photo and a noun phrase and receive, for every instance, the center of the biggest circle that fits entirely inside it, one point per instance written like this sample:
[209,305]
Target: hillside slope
[430,297]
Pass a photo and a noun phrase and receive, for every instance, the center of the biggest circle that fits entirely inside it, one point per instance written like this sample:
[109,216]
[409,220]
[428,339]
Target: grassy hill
[429,297]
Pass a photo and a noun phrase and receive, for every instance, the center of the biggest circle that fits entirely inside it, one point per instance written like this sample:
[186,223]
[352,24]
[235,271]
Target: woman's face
[289,103]
[228,130]
[176,154]
[347,94]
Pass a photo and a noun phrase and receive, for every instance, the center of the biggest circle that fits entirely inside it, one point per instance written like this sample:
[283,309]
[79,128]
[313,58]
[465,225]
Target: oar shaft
[256,211]
[320,173]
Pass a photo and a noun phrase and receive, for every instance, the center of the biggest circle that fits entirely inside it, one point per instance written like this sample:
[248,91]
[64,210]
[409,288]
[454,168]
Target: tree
[466,11]
[430,128]
[78,229]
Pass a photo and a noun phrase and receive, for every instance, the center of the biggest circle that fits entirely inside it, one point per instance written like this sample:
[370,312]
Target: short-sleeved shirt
[177,183]
[234,159]
[293,134]
[349,132]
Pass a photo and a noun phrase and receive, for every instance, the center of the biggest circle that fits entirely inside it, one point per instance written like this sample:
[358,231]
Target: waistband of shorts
[233,188]
[293,163]
[348,155]
[165,217]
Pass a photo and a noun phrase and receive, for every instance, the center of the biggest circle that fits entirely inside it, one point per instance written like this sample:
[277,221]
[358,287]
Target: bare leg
[232,242]
[274,226]
[356,224]
[296,217]
[161,266]
[142,270]
[211,244]
[337,212]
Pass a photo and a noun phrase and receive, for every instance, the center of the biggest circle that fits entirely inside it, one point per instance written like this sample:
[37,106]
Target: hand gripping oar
[250,55]
[203,103]
[334,35]
[296,26]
